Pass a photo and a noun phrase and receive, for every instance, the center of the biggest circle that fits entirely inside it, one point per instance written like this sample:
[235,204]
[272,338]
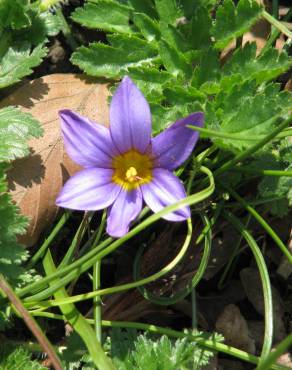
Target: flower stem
[204,343]
[70,272]
[275,33]
[41,251]
[97,283]
[97,301]
[261,221]
[277,24]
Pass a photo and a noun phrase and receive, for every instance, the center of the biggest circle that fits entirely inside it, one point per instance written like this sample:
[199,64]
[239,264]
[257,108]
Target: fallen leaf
[36,180]
[234,328]
[252,284]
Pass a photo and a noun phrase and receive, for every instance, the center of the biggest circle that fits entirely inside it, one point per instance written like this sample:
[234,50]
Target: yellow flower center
[132,169]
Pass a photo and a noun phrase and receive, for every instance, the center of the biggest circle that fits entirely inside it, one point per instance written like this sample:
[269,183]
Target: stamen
[131,174]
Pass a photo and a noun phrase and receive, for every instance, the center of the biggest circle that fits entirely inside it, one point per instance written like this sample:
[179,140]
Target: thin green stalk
[165,301]
[42,250]
[253,149]
[97,284]
[267,291]
[84,263]
[273,356]
[79,323]
[262,222]
[257,202]
[120,288]
[277,24]
[275,33]
[76,240]
[97,301]
[259,172]
[194,309]
[221,284]
[204,343]
[232,136]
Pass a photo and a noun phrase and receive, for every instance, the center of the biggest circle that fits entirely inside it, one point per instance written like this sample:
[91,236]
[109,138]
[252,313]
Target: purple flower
[123,165]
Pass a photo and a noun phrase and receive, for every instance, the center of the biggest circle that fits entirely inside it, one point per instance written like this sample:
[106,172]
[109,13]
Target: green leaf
[42,25]
[199,34]
[18,358]
[144,352]
[12,254]
[113,61]
[247,111]
[232,22]
[108,15]
[277,186]
[162,116]
[181,95]
[207,75]
[168,11]
[174,61]
[247,66]
[18,62]
[174,37]
[148,27]
[151,82]
[189,7]
[14,14]
[144,6]
[16,127]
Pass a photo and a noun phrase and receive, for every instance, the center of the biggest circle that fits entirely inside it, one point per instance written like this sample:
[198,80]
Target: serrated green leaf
[247,66]
[207,75]
[174,37]
[42,25]
[183,95]
[162,117]
[277,186]
[246,111]
[151,82]
[189,7]
[174,61]
[14,14]
[232,22]
[12,254]
[168,11]
[108,15]
[113,61]
[145,352]
[201,23]
[144,6]
[148,27]
[16,127]
[19,359]
[18,62]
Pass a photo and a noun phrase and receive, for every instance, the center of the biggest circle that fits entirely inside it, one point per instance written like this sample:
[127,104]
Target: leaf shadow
[26,176]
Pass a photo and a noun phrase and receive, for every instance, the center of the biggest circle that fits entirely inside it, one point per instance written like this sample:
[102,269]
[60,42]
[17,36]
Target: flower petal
[89,190]
[163,190]
[130,118]
[125,209]
[174,145]
[87,143]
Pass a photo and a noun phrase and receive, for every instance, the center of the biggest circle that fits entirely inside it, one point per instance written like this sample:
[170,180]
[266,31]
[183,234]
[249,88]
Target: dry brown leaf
[234,328]
[36,180]
[252,285]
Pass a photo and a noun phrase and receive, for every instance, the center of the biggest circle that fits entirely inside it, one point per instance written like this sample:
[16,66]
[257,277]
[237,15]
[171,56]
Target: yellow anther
[131,174]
